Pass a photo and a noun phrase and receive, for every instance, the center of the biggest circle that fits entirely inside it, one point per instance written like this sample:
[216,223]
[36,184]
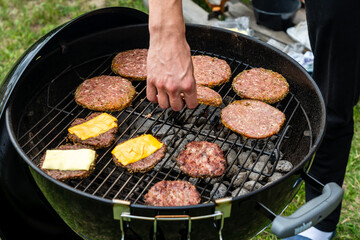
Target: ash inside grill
[251,163]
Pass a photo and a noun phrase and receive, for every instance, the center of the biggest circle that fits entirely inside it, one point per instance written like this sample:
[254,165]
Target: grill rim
[294,170]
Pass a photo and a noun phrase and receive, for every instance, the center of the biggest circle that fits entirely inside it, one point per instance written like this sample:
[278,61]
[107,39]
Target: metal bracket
[223,205]
[120,207]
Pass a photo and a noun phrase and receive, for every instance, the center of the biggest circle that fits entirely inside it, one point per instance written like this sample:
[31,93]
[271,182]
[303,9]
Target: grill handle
[126,216]
[121,211]
[310,213]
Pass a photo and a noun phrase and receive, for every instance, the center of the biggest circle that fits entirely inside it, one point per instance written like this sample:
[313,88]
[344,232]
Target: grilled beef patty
[210,71]
[145,164]
[207,96]
[261,84]
[63,175]
[101,141]
[131,64]
[252,118]
[172,193]
[105,93]
[202,159]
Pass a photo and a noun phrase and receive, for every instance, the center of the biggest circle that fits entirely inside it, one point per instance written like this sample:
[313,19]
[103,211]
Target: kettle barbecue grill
[38,106]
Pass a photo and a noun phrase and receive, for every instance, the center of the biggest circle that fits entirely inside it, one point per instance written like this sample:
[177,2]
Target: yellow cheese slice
[94,127]
[79,159]
[136,149]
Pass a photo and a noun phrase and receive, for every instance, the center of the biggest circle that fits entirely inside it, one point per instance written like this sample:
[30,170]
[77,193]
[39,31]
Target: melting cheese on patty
[79,159]
[136,149]
[94,127]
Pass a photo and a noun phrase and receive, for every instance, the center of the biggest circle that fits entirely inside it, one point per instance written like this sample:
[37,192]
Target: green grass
[22,22]
[349,227]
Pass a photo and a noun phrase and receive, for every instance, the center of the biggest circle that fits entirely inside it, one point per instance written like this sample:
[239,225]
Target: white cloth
[300,34]
[315,234]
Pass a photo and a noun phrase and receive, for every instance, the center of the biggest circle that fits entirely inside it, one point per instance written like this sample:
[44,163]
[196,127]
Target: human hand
[170,79]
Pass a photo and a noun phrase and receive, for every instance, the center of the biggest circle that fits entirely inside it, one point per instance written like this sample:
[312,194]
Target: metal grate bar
[119,138]
[112,182]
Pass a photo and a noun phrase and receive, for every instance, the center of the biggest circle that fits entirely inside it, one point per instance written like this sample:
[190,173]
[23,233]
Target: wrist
[166,18]
[167,35]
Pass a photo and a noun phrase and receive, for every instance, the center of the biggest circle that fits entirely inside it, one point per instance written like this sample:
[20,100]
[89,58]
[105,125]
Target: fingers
[172,99]
[171,95]
[191,100]
[151,92]
[176,101]
[190,95]
[163,99]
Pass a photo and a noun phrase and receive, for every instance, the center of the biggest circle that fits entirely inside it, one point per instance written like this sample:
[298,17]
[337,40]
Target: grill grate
[174,128]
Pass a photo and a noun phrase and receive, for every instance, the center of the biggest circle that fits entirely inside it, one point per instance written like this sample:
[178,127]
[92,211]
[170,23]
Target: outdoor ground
[22,22]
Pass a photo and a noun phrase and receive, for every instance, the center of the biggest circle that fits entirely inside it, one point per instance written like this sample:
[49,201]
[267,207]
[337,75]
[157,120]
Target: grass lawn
[22,22]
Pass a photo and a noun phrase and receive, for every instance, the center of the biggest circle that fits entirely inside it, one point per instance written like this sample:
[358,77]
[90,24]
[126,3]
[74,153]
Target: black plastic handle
[310,213]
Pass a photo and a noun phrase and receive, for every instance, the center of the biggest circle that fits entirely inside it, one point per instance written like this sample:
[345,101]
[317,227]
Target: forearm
[166,20]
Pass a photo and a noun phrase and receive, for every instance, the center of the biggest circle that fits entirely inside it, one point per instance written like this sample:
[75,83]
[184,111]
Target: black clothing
[334,32]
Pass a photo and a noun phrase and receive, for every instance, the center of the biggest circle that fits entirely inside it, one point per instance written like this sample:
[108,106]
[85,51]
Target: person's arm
[170,79]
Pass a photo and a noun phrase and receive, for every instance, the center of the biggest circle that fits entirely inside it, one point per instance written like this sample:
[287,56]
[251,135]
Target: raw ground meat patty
[202,159]
[172,193]
[63,175]
[252,118]
[131,64]
[105,93]
[207,96]
[261,84]
[101,141]
[145,164]
[210,71]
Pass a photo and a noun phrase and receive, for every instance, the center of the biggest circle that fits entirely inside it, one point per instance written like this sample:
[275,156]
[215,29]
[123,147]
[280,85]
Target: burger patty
[207,96]
[131,64]
[252,118]
[210,71]
[101,141]
[105,93]
[63,175]
[202,159]
[145,164]
[261,84]
[172,193]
